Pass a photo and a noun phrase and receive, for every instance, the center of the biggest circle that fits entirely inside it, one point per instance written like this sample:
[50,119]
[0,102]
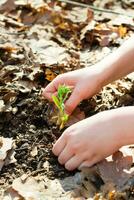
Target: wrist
[118,64]
[120,123]
[103,73]
[98,73]
[112,123]
[108,69]
[124,123]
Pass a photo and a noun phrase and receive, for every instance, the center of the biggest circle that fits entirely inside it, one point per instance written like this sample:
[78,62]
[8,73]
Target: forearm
[118,64]
[122,119]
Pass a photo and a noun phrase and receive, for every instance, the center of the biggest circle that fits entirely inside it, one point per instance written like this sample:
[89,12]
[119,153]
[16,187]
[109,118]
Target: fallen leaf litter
[38,41]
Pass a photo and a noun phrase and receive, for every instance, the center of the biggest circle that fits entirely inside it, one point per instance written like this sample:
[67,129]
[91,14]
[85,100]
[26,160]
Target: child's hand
[85,83]
[89,141]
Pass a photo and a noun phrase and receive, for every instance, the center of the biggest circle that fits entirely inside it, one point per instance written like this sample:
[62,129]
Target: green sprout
[59,100]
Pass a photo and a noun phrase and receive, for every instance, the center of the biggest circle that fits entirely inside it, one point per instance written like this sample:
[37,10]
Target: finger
[88,163]
[49,90]
[52,87]
[74,162]
[59,145]
[48,95]
[65,155]
[73,101]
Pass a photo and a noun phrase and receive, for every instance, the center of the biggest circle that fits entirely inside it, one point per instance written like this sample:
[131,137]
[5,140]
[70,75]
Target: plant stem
[95,8]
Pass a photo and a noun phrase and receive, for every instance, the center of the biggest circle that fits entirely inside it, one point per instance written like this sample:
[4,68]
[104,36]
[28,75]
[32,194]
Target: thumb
[73,101]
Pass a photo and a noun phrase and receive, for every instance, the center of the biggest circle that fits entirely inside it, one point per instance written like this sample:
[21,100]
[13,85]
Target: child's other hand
[89,141]
[85,83]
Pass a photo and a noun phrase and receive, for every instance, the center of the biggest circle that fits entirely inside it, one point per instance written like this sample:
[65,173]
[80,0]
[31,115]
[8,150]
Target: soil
[27,118]
[30,128]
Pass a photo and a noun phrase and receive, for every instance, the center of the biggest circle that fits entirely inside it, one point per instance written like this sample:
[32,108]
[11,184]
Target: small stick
[95,8]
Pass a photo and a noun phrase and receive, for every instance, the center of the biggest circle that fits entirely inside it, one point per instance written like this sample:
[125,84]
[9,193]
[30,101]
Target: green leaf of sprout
[65,117]
[59,100]
[63,92]
[56,101]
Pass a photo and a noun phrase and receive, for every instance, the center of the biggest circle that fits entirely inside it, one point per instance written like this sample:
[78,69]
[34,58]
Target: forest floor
[39,40]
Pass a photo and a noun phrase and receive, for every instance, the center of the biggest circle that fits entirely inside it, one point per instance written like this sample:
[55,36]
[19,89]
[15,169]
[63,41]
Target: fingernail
[83,166]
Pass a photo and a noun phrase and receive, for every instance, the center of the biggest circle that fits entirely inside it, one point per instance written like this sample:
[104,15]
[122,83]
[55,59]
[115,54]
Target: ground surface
[38,41]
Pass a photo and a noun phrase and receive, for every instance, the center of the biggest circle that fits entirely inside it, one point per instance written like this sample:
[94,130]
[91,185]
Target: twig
[33,173]
[95,8]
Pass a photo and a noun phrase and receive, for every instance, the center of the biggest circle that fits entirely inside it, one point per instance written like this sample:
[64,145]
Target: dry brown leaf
[33,11]
[7,6]
[76,116]
[10,96]
[88,28]
[48,52]
[41,188]
[1,142]
[6,147]
[31,189]
[34,4]
[128,4]
[122,31]
[10,158]
[46,165]
[11,194]
[80,15]
[34,152]
[91,182]
[118,21]
[49,75]
[118,170]
[2,105]
[51,34]
[109,175]
[7,47]
[104,33]
[37,4]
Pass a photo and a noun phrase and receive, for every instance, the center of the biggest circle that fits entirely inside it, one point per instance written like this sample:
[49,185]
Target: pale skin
[93,139]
